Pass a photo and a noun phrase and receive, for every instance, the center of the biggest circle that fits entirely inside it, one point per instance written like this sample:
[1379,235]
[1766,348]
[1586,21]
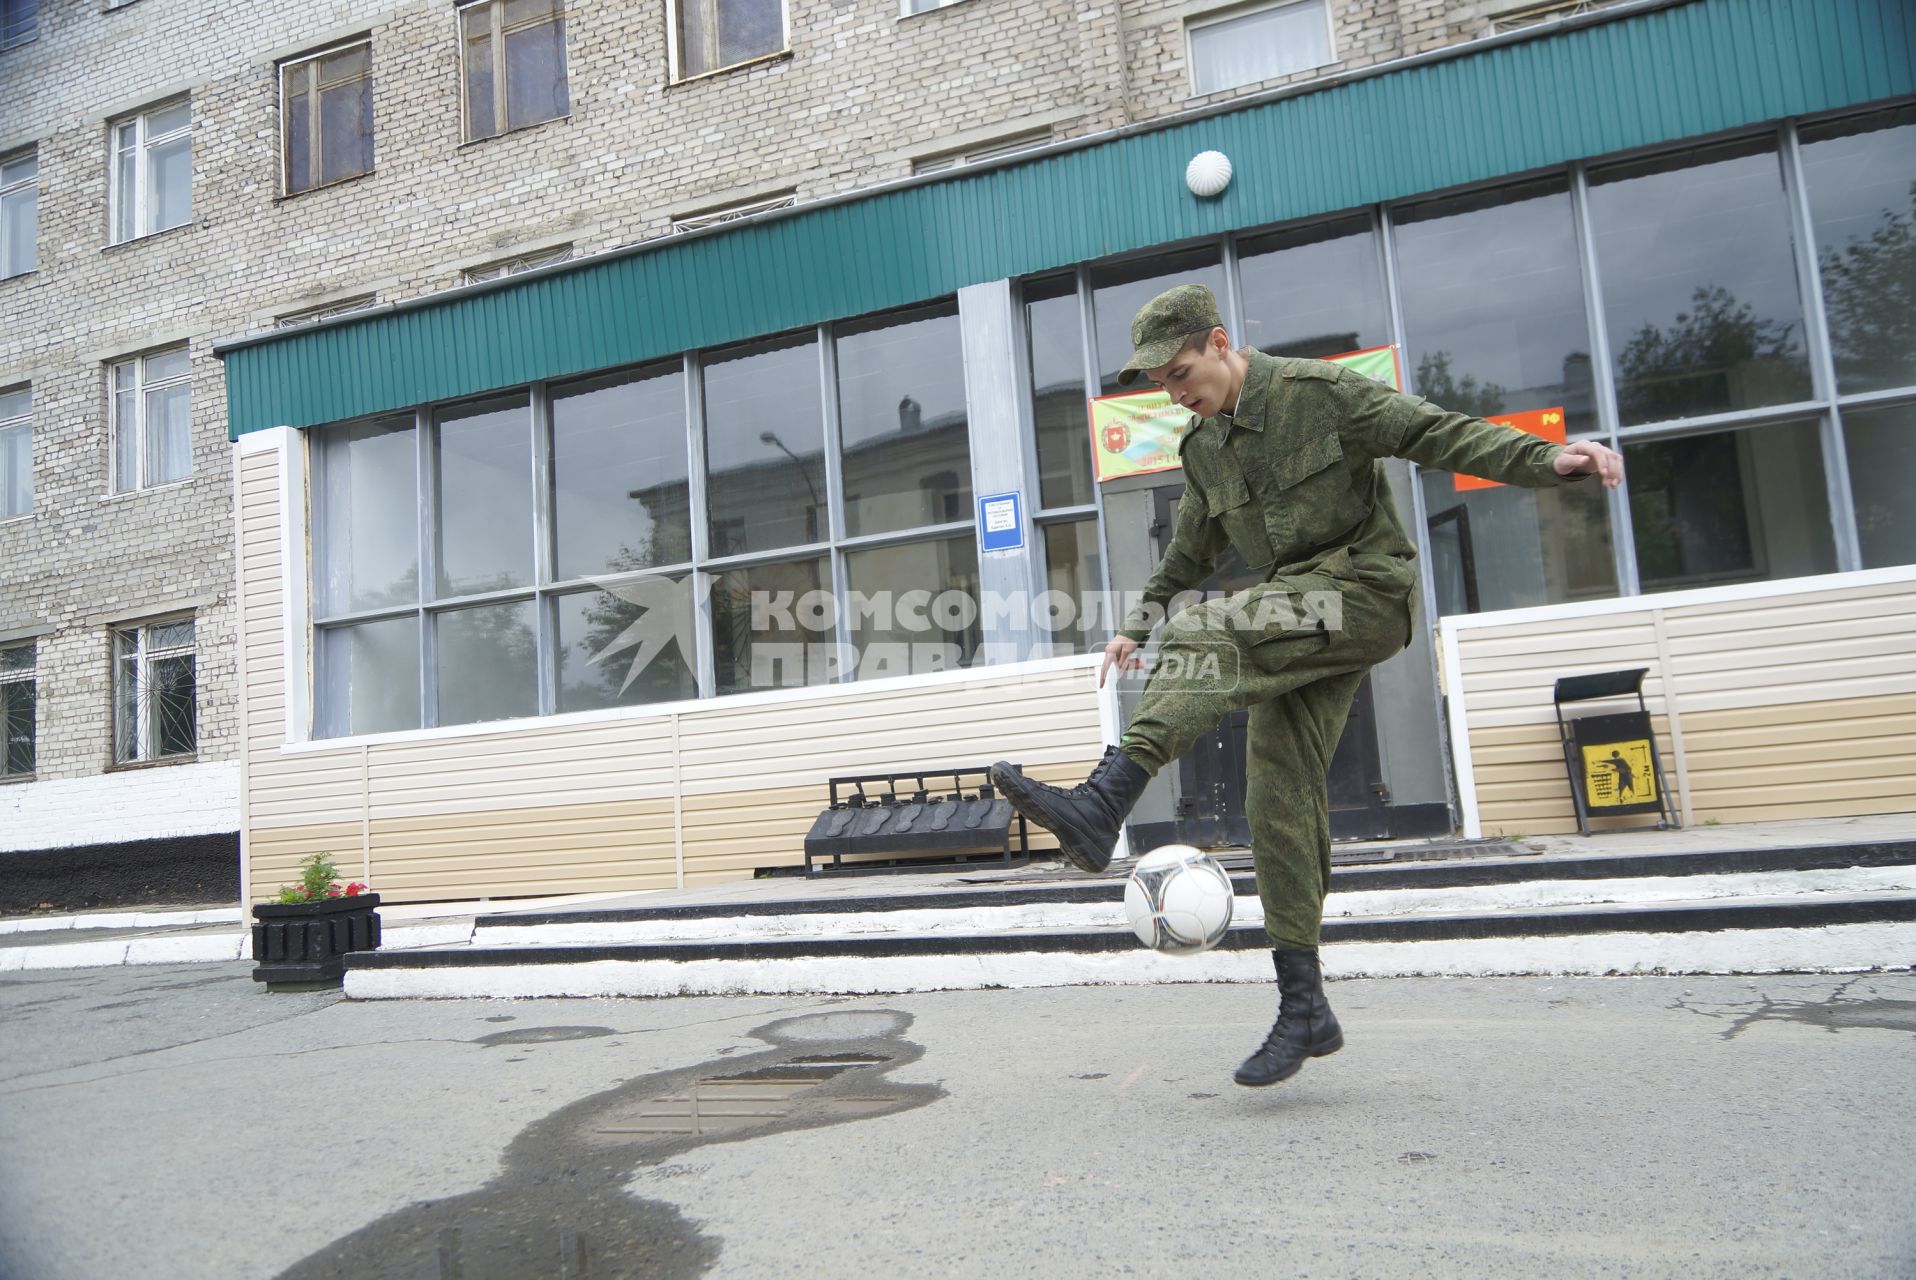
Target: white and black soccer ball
[1178,900]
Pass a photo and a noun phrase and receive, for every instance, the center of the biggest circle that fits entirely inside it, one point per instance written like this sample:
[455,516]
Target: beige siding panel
[587,807]
[274,854]
[1792,705]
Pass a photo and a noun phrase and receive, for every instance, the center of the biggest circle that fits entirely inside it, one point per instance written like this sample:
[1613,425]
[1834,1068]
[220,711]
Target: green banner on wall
[1137,432]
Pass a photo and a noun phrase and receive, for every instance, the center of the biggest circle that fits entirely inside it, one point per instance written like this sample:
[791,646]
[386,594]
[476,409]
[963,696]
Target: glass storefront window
[1861,177]
[901,406]
[914,607]
[1881,444]
[487,667]
[1512,548]
[1730,506]
[627,646]
[1314,291]
[483,480]
[620,496]
[1074,567]
[368,518]
[773,625]
[765,447]
[1493,303]
[1118,291]
[1699,283]
[1057,392]
[368,677]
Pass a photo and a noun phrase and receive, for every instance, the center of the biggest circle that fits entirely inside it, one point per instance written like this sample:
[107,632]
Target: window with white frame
[19,214]
[151,419]
[152,171]
[1245,46]
[908,7]
[517,266]
[512,62]
[732,213]
[16,710]
[19,21]
[154,681]
[16,453]
[711,35]
[326,311]
[1009,146]
[326,117]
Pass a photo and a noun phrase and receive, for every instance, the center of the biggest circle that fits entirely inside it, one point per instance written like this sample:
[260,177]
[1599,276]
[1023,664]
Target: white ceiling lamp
[1208,174]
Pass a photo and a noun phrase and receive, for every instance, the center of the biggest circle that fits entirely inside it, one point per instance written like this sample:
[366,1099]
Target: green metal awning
[1638,78]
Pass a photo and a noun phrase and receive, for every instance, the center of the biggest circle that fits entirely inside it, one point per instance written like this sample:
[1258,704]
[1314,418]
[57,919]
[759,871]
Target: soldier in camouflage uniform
[1284,465]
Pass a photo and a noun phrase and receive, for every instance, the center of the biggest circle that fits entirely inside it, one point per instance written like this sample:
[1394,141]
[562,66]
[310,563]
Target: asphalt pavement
[178,1121]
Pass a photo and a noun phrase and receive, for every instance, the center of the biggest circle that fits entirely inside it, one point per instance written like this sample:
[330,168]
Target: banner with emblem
[1137,432]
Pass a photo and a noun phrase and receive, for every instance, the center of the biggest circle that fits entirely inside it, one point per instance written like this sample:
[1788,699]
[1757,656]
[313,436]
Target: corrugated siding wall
[1785,706]
[1632,81]
[606,805]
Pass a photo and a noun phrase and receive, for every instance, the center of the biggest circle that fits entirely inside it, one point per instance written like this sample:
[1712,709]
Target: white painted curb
[1833,949]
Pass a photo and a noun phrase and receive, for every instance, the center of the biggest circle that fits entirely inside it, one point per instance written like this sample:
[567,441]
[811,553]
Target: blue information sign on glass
[1001,525]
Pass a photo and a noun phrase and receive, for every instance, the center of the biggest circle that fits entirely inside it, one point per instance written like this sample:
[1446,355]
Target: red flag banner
[1547,423]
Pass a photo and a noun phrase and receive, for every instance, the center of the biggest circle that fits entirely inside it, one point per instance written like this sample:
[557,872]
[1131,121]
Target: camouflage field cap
[1163,324]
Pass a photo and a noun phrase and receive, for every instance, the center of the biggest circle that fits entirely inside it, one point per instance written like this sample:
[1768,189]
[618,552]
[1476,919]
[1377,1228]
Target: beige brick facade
[862,92]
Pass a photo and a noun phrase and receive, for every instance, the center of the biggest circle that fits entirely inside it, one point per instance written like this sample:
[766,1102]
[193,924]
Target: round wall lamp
[1208,174]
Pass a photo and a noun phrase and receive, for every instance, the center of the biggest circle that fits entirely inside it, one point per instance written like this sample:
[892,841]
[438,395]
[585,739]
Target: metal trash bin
[1615,768]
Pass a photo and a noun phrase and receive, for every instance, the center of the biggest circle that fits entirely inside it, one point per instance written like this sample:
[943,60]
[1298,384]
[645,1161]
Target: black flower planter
[303,944]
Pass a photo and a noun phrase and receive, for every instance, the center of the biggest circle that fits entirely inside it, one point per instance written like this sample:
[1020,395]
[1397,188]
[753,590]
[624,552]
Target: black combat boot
[1086,818]
[1306,1027]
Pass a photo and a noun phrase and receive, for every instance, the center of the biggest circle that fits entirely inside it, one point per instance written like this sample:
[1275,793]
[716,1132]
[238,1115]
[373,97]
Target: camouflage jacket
[1294,480]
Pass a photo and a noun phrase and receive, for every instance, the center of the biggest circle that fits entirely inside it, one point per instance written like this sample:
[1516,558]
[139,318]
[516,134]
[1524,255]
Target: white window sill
[22,518]
[736,66]
[937,8]
[477,142]
[20,275]
[146,236]
[151,488]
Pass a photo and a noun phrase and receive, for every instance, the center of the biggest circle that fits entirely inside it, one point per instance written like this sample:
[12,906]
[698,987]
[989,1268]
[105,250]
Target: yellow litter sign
[1618,773]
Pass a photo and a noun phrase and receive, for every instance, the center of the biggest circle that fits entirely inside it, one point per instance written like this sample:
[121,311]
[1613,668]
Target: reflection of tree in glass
[1704,361]
[1437,384]
[1869,287]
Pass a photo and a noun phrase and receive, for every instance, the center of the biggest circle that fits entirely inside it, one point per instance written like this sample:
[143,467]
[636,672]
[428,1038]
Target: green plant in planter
[318,880]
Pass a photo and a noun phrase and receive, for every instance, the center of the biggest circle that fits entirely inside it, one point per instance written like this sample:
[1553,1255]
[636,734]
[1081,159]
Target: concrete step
[1744,932]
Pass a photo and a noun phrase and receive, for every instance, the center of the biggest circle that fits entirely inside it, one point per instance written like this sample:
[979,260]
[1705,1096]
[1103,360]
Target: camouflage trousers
[1295,659]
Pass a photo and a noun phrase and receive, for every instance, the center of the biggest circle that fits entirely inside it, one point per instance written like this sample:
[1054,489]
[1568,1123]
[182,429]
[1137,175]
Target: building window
[1860,173]
[538,551]
[517,266]
[1494,323]
[154,711]
[16,710]
[904,446]
[513,57]
[152,176]
[19,21]
[1699,283]
[1011,146]
[313,315]
[1245,46]
[19,214]
[711,35]
[151,419]
[326,117]
[1729,506]
[733,212]
[16,453]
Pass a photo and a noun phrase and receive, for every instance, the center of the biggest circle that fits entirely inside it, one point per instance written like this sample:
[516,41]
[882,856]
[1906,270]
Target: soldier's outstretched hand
[1587,456]
[1121,652]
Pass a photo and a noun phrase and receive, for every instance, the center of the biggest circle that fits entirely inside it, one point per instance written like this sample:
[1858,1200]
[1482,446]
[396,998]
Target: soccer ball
[1178,900]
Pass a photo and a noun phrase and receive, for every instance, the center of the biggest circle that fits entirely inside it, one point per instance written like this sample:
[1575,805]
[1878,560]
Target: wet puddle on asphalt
[559,1207]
